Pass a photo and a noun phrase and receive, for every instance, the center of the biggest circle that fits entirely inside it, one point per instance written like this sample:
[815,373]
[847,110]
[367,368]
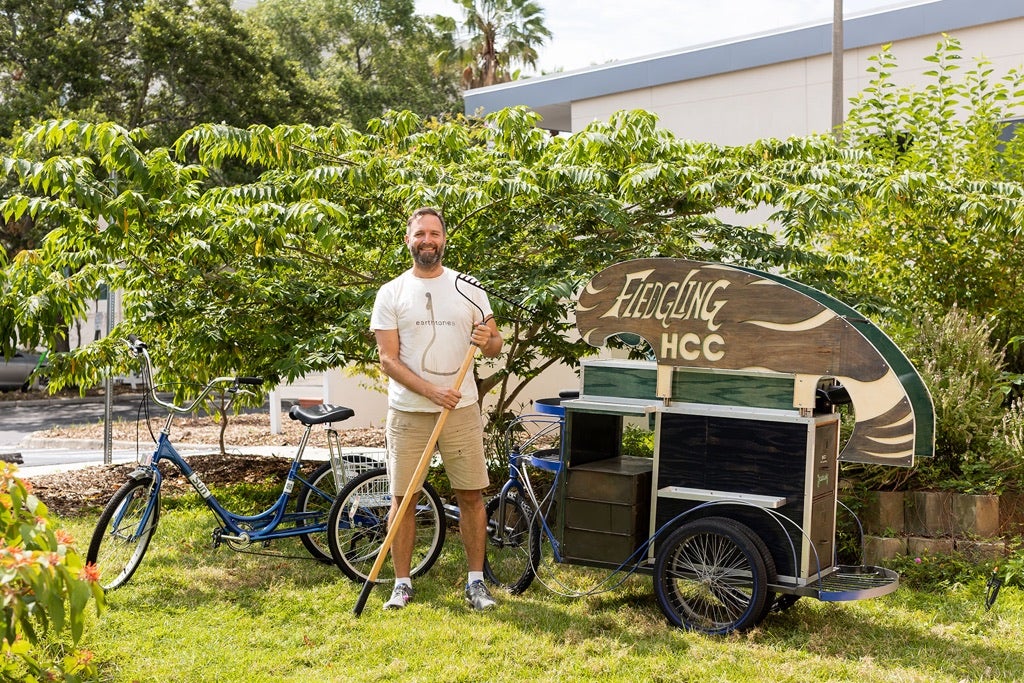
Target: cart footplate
[856,582]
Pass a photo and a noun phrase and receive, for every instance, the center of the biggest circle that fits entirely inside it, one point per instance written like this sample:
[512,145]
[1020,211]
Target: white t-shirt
[434,322]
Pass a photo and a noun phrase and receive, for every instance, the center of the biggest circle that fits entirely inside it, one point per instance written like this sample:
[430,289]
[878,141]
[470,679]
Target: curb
[128,397]
[97,444]
[84,444]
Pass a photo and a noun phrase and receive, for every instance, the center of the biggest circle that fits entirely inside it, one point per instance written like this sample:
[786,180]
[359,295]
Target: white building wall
[793,98]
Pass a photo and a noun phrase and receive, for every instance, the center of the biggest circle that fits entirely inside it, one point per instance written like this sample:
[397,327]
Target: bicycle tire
[323,478]
[117,544]
[357,525]
[513,544]
[709,576]
[773,601]
[308,501]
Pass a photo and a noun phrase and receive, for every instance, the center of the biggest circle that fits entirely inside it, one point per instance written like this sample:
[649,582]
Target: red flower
[90,572]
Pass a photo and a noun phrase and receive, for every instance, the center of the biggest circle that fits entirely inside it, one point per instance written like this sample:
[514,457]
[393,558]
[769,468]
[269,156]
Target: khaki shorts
[461,444]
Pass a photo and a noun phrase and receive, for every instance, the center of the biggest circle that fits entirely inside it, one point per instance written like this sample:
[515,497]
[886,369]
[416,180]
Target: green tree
[62,58]
[368,57]
[501,35]
[160,65]
[920,207]
[276,277]
[200,60]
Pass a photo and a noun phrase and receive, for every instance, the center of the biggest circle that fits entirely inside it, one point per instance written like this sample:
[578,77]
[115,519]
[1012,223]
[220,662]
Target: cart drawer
[607,509]
[609,518]
[594,547]
[625,479]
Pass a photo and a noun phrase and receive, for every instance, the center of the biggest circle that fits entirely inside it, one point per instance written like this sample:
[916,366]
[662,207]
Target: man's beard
[427,260]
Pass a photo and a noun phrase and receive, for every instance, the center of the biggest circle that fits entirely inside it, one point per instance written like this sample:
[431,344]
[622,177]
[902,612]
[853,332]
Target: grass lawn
[193,613]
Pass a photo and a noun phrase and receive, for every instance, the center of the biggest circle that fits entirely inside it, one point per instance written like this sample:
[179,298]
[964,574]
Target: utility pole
[837,68]
[108,393]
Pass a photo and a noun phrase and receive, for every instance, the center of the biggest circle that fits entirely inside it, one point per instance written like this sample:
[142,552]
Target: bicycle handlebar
[139,348]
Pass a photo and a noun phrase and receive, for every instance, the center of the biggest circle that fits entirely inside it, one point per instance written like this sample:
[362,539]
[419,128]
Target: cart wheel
[776,602]
[710,576]
[770,573]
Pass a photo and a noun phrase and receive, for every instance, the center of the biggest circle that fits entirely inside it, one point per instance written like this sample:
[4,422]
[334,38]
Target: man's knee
[470,499]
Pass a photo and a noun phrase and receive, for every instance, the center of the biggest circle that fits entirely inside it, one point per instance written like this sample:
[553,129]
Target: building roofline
[737,54]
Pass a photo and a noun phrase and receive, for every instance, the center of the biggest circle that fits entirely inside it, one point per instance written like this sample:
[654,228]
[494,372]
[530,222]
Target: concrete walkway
[81,453]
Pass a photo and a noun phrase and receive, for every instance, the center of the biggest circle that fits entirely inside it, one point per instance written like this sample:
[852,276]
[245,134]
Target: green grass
[193,613]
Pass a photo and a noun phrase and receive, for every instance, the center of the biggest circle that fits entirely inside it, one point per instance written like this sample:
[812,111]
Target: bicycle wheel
[309,501]
[120,541]
[710,577]
[513,543]
[358,523]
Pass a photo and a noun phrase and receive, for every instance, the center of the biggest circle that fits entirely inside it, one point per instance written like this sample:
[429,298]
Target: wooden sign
[709,315]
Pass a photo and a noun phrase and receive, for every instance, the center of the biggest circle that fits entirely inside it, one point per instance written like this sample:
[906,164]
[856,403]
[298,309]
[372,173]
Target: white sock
[403,581]
[476,576]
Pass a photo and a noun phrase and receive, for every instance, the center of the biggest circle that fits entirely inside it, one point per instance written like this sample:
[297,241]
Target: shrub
[46,588]
[977,441]
[939,573]
[963,372]
[637,441]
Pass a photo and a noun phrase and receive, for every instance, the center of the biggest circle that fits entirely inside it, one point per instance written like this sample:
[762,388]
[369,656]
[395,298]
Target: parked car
[15,371]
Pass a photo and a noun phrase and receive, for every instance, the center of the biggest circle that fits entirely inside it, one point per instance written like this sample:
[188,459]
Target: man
[424,327]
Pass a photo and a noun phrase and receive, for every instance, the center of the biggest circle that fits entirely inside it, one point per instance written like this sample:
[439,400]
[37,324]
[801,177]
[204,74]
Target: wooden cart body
[744,426]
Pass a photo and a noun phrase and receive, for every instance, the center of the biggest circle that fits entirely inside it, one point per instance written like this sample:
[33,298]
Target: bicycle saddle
[319,414]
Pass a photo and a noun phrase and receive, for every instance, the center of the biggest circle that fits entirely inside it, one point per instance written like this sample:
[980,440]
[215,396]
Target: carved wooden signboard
[708,315]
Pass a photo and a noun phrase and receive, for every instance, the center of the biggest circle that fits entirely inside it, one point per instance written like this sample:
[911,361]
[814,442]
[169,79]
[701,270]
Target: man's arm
[388,347]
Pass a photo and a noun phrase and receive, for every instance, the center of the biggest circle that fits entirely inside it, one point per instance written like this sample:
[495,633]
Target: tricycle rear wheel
[357,525]
[710,576]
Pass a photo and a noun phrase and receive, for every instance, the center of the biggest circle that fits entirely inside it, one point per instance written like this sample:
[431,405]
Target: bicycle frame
[524,455]
[244,529]
[130,518]
[519,478]
[261,527]
[519,482]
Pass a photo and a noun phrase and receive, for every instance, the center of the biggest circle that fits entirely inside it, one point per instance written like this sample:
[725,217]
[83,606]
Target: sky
[589,32]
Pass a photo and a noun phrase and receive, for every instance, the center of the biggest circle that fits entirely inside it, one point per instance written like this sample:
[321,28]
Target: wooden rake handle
[417,478]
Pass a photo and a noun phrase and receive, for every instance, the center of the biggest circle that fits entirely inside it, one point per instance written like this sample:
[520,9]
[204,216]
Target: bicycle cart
[735,513]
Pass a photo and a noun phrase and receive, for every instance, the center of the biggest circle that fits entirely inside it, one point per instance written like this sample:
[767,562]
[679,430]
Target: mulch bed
[74,492]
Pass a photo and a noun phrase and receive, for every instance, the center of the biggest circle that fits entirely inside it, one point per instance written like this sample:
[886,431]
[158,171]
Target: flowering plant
[45,584]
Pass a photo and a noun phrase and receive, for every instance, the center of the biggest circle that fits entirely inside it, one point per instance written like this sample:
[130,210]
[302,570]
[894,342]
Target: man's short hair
[426,211]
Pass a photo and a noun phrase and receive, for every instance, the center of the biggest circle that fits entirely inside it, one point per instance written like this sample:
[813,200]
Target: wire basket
[359,460]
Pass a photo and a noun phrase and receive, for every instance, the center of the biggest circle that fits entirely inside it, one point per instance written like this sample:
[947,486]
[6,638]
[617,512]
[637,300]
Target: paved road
[18,419]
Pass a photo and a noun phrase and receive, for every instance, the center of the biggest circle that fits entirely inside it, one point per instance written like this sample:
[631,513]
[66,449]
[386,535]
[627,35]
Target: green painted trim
[711,387]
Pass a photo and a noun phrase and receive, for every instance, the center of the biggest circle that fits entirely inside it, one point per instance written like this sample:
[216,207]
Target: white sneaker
[478,596]
[400,596]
